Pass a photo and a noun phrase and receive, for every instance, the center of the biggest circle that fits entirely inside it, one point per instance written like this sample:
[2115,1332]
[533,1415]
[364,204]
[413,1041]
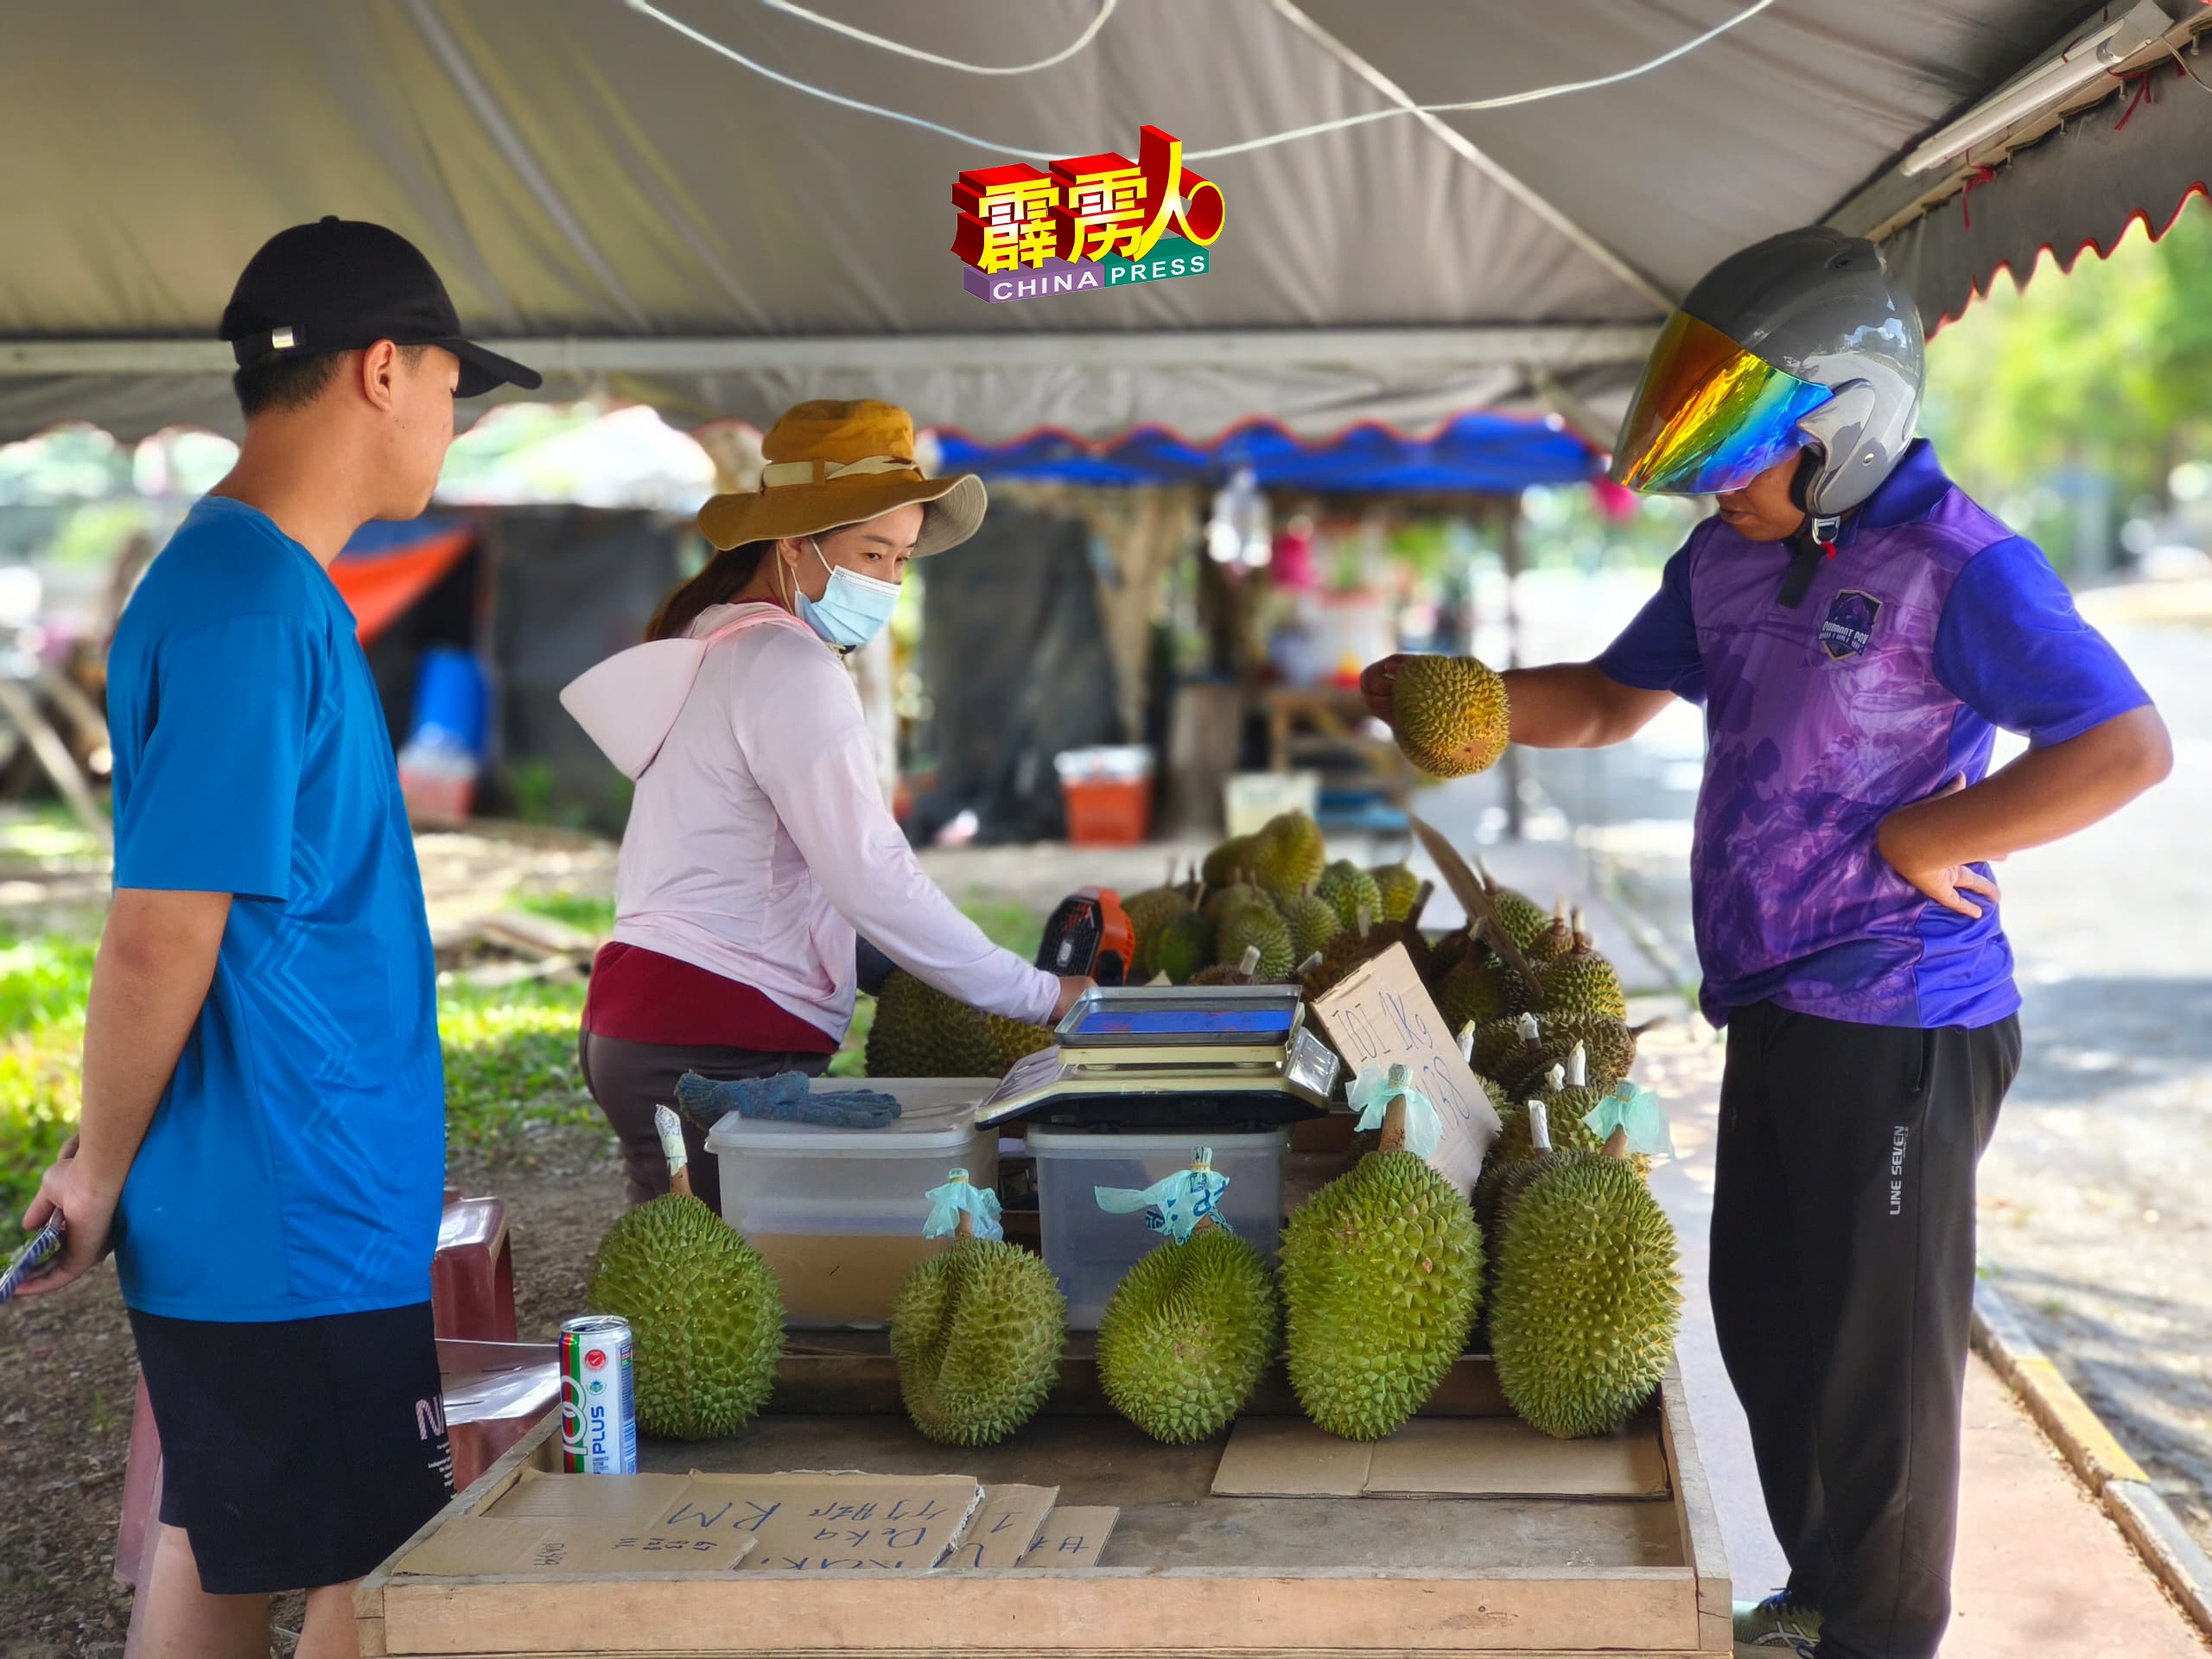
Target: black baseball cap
[343,284]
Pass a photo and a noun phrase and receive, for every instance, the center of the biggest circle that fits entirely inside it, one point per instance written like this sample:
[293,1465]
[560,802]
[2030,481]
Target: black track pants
[1843,1271]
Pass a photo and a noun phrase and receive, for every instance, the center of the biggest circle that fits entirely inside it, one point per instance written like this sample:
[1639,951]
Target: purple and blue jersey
[1931,627]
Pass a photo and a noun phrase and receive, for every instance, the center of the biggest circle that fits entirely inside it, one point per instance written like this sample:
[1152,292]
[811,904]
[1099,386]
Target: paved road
[2097,1199]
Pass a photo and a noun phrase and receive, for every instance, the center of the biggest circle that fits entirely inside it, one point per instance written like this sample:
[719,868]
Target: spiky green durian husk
[919,1032]
[1501,1052]
[1348,889]
[1382,1273]
[706,1317]
[1564,1112]
[1187,1335]
[1313,924]
[1450,715]
[1229,861]
[1588,1301]
[1011,1040]
[1524,920]
[976,1335]
[1399,887]
[1255,925]
[1232,900]
[1470,992]
[1289,854]
[1220,973]
[1582,981]
[1150,913]
[1548,946]
[1185,948]
[1608,1044]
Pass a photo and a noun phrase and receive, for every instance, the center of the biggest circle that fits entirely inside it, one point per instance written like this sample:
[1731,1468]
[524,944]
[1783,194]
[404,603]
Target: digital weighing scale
[1223,1059]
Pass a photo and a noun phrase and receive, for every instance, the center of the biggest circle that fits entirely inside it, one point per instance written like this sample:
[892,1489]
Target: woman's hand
[1378,683]
[1072,987]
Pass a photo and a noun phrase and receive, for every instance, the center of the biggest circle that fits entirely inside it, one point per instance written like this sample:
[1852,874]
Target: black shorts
[301,1454]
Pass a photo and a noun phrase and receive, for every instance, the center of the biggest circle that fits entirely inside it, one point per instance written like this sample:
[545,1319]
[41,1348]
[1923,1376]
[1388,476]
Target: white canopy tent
[614,198]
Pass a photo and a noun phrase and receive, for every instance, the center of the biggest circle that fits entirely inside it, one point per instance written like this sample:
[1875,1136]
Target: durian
[1225,863]
[1312,923]
[1349,889]
[919,1032]
[1609,1045]
[1472,993]
[1258,927]
[1449,714]
[1381,1273]
[706,1313]
[976,1335]
[1588,1301]
[1188,1334]
[1580,982]
[1400,889]
[1504,1047]
[1523,919]
[1554,941]
[1569,1096]
[1150,913]
[1185,947]
[1288,856]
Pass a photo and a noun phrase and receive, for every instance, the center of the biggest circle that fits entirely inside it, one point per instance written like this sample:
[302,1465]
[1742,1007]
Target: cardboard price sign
[1381,1015]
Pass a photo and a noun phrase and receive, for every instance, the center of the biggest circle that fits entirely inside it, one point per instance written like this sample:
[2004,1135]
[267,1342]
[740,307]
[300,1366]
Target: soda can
[598,1401]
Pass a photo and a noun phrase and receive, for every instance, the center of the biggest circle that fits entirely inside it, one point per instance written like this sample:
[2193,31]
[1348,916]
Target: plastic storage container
[838,1213]
[1089,1250]
[1107,793]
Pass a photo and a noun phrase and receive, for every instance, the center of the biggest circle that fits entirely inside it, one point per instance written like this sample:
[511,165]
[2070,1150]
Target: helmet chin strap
[1815,539]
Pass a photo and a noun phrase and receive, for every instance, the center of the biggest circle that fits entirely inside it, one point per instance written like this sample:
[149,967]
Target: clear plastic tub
[1089,1250]
[838,1213]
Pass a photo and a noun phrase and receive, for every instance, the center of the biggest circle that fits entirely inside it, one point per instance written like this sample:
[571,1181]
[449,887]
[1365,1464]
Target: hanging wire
[1504,101]
[1105,11]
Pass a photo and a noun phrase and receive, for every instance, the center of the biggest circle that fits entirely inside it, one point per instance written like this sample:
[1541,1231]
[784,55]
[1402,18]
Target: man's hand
[1072,987]
[1947,884]
[88,1211]
[1378,683]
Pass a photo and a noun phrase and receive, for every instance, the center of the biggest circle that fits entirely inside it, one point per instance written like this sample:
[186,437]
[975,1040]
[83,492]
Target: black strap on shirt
[1807,549]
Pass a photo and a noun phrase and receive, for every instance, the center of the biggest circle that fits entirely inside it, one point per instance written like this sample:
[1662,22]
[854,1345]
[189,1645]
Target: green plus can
[599,1402]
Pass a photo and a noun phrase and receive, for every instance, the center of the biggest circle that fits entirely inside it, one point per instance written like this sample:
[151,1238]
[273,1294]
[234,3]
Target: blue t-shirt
[1933,627]
[296,1165]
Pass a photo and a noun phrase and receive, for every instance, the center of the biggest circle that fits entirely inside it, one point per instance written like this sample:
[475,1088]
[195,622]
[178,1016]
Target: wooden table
[1317,721]
[1185,1571]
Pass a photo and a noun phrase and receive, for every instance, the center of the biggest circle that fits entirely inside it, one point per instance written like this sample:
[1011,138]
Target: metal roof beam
[1553,346]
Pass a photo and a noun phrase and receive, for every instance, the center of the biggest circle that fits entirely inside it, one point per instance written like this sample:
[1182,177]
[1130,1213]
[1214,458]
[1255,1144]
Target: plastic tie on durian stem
[1529,1031]
[670,1127]
[1177,1204]
[960,1209]
[1634,1112]
[1387,1100]
[1309,965]
[1467,1042]
[1248,969]
[1578,1067]
[1539,1125]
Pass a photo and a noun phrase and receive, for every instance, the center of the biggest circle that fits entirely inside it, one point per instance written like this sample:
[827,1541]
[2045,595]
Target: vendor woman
[759,847]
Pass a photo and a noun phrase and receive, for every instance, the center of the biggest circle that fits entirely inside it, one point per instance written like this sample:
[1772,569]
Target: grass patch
[510,1053]
[588,912]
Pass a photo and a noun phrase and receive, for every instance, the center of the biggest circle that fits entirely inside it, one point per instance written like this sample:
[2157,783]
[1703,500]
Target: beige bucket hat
[829,464]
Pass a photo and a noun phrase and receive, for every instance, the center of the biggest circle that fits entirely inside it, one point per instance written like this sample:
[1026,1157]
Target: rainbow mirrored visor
[1708,416]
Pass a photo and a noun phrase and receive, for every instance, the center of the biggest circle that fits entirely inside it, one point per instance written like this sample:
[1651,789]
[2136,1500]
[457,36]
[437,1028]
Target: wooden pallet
[1185,1571]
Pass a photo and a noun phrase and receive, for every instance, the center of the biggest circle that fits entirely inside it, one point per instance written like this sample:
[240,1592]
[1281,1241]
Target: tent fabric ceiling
[577,170]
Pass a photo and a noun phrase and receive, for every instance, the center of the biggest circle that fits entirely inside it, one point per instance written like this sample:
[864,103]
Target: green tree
[2106,369]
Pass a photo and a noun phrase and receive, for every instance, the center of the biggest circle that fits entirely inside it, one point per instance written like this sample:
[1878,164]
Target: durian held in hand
[1381,1273]
[1192,1328]
[706,1313]
[1449,714]
[976,1331]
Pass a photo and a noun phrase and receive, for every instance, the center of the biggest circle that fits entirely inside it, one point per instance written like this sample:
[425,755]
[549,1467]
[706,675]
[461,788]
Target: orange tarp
[380,588]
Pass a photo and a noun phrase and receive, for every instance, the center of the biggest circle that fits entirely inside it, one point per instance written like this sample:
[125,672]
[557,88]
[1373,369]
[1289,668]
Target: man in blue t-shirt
[1858,631]
[262,1136]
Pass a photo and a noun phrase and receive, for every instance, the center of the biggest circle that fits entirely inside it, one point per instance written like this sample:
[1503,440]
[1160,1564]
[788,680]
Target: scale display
[1185,1022]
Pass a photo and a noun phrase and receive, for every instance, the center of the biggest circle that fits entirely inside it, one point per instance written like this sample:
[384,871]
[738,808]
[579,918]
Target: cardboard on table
[1073,1537]
[1439,1457]
[1009,1521]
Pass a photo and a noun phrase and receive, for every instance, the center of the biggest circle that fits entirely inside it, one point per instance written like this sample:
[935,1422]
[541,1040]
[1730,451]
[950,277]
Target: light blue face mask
[853,608]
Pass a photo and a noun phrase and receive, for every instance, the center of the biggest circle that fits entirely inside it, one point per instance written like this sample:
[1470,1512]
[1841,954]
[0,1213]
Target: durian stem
[1500,940]
[964,1227]
[1394,1116]
[679,1183]
[1617,1143]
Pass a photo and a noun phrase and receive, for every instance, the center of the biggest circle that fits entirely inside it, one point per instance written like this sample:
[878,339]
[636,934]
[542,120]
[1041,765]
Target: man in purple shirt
[1858,631]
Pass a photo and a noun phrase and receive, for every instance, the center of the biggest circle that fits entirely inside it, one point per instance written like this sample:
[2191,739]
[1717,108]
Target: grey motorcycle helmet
[1802,341]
